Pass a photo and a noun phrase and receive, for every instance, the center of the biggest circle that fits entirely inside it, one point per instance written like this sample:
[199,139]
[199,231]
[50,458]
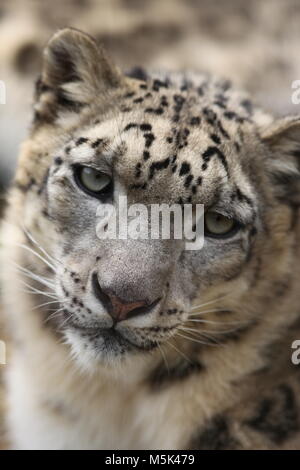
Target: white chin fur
[90,360]
[91,357]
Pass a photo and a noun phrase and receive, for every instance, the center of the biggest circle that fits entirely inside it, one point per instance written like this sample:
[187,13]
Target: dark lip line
[112,329]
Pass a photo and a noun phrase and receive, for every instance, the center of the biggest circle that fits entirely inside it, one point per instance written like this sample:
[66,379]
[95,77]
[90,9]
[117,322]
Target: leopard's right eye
[219,226]
[92,181]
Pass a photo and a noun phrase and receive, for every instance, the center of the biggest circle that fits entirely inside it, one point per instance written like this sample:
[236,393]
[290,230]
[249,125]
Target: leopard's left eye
[92,181]
[219,226]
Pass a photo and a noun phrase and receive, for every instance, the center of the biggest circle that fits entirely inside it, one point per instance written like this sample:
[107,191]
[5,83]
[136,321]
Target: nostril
[100,294]
[118,308]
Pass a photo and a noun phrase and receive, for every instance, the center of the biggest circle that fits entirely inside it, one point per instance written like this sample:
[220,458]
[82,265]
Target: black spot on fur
[146,155]
[131,94]
[138,73]
[149,138]
[138,170]
[222,130]
[157,84]
[157,111]
[162,377]
[210,115]
[210,152]
[129,126]
[277,415]
[164,101]
[96,143]
[216,139]
[58,161]
[195,121]
[138,100]
[158,166]
[220,104]
[216,435]
[145,127]
[185,168]
[81,140]
[179,100]
[188,181]
[230,115]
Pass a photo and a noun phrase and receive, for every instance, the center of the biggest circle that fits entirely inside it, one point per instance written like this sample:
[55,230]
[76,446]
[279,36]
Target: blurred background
[255,43]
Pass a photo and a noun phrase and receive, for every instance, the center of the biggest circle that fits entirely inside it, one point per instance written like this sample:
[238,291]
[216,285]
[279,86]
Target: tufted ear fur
[283,139]
[75,72]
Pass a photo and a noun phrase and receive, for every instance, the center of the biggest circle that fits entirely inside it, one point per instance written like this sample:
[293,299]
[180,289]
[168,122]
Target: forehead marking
[209,153]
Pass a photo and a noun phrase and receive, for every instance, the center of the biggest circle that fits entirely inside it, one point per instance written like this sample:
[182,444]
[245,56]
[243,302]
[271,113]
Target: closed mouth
[111,336]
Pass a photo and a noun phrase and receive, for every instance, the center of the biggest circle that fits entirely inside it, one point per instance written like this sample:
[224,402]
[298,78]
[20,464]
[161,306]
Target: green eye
[219,226]
[92,181]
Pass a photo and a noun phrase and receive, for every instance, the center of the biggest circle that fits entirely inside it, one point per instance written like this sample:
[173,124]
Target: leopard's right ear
[75,72]
[282,138]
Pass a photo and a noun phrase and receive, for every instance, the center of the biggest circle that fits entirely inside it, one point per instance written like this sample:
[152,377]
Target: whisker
[33,290]
[222,331]
[53,315]
[164,357]
[179,351]
[207,335]
[34,241]
[195,340]
[40,280]
[206,311]
[51,266]
[210,302]
[37,293]
[216,322]
[47,303]
[36,277]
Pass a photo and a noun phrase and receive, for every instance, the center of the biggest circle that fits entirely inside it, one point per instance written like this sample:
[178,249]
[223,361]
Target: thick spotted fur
[162,380]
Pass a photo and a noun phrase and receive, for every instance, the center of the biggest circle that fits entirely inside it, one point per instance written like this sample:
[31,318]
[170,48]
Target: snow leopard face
[99,136]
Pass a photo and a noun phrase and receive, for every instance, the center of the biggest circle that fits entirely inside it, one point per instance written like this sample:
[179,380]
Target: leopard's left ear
[75,72]
[282,137]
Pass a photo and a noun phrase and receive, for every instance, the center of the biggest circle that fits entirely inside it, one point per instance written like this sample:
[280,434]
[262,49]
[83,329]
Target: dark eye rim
[104,194]
[237,226]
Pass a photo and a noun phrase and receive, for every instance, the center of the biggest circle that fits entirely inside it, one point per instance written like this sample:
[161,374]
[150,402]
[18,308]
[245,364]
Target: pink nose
[121,310]
[117,308]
